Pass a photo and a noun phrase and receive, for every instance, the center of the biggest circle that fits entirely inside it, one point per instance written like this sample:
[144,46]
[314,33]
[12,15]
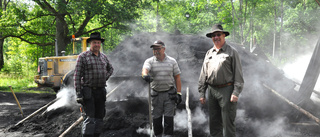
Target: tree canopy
[275,26]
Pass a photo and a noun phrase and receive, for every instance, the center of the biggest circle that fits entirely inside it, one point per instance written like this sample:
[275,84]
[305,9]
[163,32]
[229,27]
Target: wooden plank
[311,76]
[308,114]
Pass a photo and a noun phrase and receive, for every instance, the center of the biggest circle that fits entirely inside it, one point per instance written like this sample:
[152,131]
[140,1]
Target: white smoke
[66,98]
[146,130]
[296,69]
[181,120]
[263,128]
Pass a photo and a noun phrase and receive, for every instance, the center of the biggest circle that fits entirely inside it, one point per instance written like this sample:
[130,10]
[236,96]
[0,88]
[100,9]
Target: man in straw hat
[92,71]
[221,74]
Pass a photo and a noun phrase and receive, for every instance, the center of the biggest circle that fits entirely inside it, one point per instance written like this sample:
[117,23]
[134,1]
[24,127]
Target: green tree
[44,21]
[3,5]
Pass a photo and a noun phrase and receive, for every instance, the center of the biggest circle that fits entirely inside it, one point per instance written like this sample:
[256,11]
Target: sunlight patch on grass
[16,82]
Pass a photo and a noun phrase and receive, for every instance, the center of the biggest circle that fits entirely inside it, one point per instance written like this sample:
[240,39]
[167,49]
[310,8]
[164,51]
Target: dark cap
[158,43]
[95,36]
[216,28]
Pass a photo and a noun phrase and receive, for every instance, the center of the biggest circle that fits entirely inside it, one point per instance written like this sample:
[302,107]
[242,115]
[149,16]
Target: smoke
[66,98]
[145,130]
[263,128]
[296,69]
[258,108]
[199,122]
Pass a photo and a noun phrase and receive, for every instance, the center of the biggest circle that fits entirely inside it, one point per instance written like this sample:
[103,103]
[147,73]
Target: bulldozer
[57,71]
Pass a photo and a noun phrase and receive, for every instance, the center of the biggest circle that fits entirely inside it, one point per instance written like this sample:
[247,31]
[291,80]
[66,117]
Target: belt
[163,91]
[96,87]
[223,85]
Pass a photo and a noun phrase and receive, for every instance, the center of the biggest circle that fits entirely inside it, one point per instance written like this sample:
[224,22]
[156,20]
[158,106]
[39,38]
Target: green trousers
[222,112]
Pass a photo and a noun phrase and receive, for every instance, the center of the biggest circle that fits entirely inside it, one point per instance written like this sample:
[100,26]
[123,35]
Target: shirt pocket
[225,60]
[89,64]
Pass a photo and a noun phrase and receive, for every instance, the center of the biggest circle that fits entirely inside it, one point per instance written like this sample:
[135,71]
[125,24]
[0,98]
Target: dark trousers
[163,110]
[222,112]
[94,108]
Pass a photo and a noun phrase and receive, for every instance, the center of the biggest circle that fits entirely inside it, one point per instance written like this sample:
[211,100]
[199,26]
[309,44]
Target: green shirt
[221,67]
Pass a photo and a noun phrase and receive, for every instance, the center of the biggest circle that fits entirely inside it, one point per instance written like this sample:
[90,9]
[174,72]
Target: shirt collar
[91,53]
[223,48]
[165,57]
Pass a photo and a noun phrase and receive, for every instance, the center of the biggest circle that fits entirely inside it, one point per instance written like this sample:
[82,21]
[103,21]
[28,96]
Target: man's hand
[79,97]
[147,78]
[202,100]
[234,98]
[178,98]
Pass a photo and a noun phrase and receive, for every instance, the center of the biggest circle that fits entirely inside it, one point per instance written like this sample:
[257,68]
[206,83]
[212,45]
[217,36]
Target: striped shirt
[163,72]
[92,70]
[221,67]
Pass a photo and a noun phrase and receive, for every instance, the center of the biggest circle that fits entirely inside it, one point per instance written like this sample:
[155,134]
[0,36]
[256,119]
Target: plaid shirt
[92,70]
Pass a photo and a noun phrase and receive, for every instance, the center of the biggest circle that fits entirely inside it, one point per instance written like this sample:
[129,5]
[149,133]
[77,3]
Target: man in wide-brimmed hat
[221,74]
[92,71]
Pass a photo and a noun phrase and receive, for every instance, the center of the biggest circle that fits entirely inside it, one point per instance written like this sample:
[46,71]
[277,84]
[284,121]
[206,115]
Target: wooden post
[14,95]
[308,114]
[150,111]
[189,114]
[311,76]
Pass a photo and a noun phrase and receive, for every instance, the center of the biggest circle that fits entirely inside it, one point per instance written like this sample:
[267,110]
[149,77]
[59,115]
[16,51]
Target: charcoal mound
[127,106]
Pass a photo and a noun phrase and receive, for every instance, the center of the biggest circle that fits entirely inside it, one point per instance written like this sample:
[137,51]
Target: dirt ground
[118,123]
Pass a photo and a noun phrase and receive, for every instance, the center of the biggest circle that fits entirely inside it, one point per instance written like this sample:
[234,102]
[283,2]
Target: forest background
[282,29]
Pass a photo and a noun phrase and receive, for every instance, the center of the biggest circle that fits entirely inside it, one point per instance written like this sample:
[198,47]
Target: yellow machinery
[57,71]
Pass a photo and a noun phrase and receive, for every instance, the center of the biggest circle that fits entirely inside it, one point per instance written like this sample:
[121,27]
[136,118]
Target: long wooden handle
[14,95]
[72,126]
[308,114]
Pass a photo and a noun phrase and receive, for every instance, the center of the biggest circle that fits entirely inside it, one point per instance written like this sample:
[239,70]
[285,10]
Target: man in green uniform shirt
[221,74]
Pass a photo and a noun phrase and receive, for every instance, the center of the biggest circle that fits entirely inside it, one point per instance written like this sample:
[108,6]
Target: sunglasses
[157,49]
[214,35]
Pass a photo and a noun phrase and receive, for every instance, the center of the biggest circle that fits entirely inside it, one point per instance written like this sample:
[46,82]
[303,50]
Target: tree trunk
[275,29]
[251,28]
[158,26]
[61,27]
[1,40]
[233,12]
[281,29]
[1,53]
[240,21]
[61,35]
[244,21]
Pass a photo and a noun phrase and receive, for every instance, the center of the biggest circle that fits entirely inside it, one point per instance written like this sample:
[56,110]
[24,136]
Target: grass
[19,84]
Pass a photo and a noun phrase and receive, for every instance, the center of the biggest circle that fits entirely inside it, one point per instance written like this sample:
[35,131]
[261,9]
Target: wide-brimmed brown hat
[95,36]
[158,43]
[217,28]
